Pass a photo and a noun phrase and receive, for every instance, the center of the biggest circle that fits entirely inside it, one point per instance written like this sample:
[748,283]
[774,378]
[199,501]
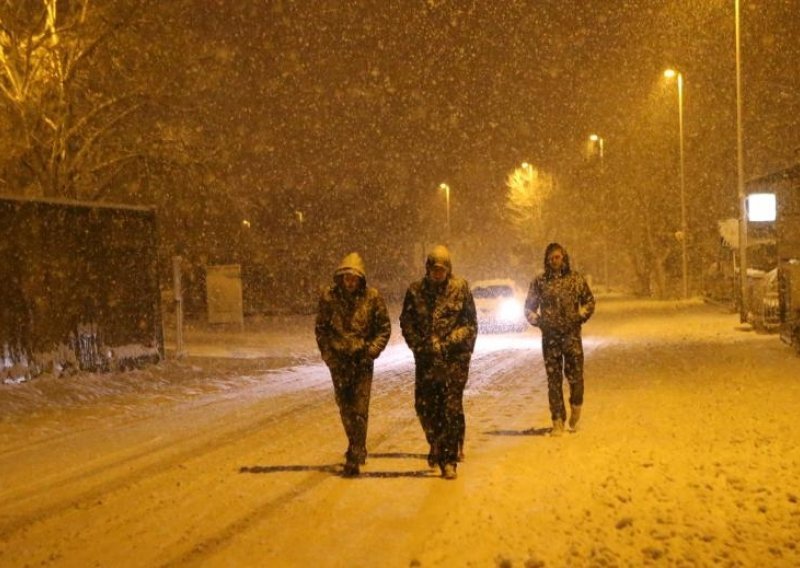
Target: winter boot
[449,471]
[351,469]
[433,456]
[357,456]
[574,417]
[558,428]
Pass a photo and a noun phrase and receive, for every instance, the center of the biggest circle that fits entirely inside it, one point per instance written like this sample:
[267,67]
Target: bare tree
[60,111]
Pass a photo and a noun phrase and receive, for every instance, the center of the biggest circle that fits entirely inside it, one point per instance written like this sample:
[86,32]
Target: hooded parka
[559,303]
[351,326]
[352,329]
[439,324]
[440,317]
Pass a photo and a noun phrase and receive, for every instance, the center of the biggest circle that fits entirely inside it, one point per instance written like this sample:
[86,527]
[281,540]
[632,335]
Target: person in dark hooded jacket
[352,329]
[439,324]
[559,302]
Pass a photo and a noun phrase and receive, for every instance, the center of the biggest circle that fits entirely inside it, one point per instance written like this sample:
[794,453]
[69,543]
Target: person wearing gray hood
[559,302]
[352,329]
[439,324]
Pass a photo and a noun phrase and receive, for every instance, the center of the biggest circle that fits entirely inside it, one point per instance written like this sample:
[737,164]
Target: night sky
[421,92]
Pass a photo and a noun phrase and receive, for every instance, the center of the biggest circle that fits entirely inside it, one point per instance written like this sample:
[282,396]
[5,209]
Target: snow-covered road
[687,456]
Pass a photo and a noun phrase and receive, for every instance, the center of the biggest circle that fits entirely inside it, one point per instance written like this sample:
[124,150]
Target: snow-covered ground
[687,456]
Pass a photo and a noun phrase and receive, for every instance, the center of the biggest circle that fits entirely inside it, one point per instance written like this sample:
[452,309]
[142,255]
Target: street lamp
[600,142]
[669,74]
[446,189]
[740,172]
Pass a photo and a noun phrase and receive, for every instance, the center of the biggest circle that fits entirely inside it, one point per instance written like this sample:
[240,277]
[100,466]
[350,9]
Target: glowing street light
[670,74]
[600,142]
[446,188]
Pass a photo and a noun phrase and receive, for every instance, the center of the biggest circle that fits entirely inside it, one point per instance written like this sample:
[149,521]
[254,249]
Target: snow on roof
[76,203]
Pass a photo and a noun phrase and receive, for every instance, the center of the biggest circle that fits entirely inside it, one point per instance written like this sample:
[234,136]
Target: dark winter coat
[440,318]
[560,302]
[351,326]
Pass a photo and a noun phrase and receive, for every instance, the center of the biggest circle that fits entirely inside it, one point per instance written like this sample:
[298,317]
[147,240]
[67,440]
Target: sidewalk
[261,337]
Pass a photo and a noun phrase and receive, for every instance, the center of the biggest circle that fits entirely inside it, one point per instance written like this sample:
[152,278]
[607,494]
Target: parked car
[789,302]
[500,305]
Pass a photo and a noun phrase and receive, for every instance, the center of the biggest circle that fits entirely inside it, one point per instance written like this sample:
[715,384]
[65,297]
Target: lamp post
[742,197]
[670,73]
[600,141]
[446,189]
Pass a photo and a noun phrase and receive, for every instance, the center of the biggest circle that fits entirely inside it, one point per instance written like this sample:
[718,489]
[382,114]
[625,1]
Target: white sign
[224,294]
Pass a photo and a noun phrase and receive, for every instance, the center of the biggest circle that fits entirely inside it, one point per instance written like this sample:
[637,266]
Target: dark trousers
[563,358]
[439,402]
[352,384]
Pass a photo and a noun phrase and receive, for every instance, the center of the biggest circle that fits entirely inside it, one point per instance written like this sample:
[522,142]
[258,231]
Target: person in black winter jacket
[439,324]
[352,329]
[559,302]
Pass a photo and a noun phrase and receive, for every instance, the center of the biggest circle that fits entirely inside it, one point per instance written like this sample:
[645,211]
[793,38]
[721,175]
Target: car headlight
[510,310]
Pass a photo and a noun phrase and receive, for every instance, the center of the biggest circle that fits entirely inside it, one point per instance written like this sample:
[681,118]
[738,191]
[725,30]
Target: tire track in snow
[128,475]
[487,370]
[489,367]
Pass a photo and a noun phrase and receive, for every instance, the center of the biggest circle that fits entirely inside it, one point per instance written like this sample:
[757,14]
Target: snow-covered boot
[358,456]
[574,416]
[433,455]
[351,469]
[449,471]
[558,428]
